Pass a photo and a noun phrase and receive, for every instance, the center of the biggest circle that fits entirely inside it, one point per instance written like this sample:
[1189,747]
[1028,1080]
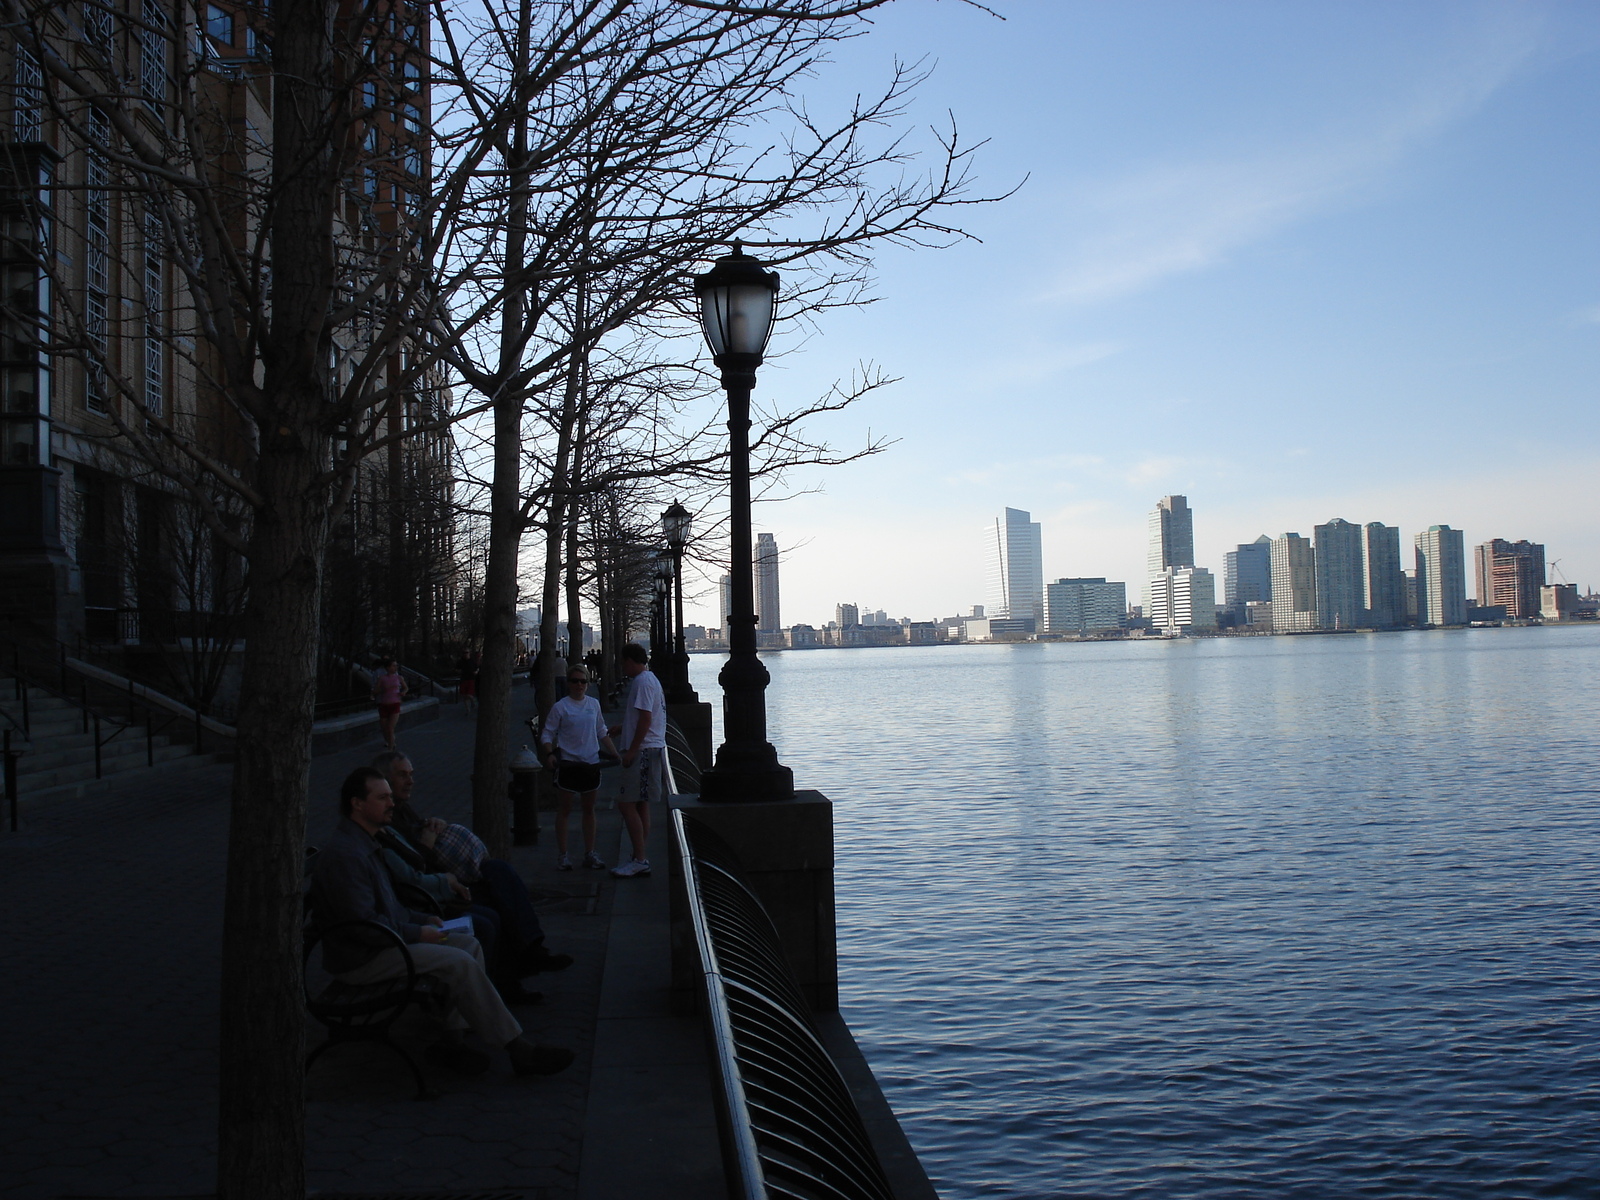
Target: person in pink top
[389,689]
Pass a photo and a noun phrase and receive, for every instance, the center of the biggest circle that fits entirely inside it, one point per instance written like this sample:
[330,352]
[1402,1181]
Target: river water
[1269,917]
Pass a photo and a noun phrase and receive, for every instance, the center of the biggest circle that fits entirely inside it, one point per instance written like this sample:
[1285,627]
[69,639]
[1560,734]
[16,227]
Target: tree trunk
[261,1100]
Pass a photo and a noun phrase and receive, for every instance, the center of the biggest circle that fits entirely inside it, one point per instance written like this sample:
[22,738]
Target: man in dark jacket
[350,882]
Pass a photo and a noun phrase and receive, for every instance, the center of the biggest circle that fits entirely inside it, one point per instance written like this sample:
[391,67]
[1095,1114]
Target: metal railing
[789,1126]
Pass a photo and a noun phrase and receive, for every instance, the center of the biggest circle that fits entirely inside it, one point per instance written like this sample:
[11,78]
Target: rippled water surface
[1276,917]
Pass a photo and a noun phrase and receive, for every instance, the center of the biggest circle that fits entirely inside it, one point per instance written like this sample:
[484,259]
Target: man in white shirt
[644,749]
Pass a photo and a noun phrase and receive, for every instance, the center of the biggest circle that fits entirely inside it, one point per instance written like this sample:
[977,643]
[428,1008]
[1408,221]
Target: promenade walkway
[108,983]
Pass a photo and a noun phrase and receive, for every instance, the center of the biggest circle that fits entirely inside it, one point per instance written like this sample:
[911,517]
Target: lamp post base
[746,784]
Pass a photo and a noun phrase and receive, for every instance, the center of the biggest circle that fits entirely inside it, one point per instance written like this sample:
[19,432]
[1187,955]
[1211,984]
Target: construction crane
[1555,569]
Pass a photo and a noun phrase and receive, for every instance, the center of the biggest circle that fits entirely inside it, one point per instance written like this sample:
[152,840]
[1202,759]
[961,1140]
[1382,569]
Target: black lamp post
[660,587]
[675,524]
[737,300]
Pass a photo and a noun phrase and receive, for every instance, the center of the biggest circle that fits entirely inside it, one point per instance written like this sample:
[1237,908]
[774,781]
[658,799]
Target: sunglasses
[585,682]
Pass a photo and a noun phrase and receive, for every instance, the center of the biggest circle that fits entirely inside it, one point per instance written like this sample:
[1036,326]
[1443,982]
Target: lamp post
[737,299]
[660,587]
[675,523]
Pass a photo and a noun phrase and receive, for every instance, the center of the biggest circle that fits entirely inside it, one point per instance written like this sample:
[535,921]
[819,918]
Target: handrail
[789,1124]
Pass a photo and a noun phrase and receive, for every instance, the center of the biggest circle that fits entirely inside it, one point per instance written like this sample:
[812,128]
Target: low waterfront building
[1084,605]
[802,637]
[1183,600]
[1558,601]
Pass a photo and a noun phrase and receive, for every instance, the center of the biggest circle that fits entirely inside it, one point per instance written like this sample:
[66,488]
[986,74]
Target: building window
[97,265]
[411,75]
[153,55]
[28,114]
[219,26]
[155,375]
[413,118]
[413,160]
[97,24]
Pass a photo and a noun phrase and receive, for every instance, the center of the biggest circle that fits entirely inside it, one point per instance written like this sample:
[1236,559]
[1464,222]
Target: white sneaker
[593,862]
[629,870]
[563,863]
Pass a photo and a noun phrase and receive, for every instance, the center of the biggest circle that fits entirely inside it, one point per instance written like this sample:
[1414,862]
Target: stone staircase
[58,756]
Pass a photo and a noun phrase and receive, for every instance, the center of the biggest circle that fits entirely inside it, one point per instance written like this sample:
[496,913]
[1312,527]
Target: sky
[1293,261]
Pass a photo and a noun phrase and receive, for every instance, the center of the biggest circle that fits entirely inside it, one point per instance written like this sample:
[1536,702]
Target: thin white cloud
[1174,218]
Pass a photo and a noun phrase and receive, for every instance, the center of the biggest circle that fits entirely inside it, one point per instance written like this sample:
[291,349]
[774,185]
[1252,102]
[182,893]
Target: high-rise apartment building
[766,585]
[1294,584]
[1510,573]
[1383,584]
[724,601]
[1340,594]
[1019,561]
[1183,600]
[1247,574]
[1441,576]
[846,615]
[1171,540]
[1085,605]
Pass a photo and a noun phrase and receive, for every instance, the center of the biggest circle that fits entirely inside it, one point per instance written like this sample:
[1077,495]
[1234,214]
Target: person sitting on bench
[349,882]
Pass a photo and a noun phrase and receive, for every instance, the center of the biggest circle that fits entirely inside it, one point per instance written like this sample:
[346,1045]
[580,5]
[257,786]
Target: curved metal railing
[790,1127]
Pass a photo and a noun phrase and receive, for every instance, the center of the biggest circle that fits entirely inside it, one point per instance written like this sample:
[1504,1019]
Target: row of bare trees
[584,157]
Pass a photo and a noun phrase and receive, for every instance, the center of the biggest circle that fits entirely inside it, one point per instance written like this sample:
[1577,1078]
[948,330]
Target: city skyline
[1294,262]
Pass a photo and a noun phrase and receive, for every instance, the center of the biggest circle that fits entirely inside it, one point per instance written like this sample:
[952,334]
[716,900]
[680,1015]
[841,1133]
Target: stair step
[37,796]
[83,771]
[50,755]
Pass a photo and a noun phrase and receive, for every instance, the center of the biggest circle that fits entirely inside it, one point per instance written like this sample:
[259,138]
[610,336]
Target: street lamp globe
[738,297]
[675,524]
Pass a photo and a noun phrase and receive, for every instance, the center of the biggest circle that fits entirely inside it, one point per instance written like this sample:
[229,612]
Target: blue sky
[1295,261]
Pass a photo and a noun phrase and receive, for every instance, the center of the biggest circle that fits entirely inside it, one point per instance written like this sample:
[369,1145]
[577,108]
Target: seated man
[522,945]
[350,882]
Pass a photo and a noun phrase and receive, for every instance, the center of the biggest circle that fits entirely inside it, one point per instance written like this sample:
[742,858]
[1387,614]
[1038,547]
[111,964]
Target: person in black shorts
[572,736]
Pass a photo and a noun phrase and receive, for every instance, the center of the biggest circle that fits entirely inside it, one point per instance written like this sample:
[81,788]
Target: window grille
[153,55]
[28,114]
[97,24]
[155,375]
[97,256]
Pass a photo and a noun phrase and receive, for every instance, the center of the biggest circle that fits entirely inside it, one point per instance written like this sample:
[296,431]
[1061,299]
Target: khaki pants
[475,1003]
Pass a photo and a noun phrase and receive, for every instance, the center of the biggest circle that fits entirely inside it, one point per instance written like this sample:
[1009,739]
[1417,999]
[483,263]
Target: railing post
[97,771]
[83,701]
[27,722]
[149,743]
[199,731]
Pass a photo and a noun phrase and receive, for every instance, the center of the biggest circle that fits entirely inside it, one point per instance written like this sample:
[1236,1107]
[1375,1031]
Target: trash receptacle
[524,790]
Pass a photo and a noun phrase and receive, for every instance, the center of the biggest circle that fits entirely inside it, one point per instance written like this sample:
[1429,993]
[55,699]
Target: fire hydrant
[523,790]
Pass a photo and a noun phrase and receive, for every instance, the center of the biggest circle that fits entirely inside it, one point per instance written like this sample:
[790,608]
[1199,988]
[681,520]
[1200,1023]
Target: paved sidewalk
[108,984]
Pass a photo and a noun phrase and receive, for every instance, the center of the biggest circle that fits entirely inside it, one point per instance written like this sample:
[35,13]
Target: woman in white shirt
[571,738]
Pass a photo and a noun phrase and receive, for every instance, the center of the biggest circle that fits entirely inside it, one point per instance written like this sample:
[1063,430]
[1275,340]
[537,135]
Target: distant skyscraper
[1441,577]
[1340,599]
[724,601]
[846,615]
[1247,574]
[1183,600]
[1019,559]
[1510,573]
[1383,585]
[766,585]
[1171,534]
[1294,583]
[1085,605]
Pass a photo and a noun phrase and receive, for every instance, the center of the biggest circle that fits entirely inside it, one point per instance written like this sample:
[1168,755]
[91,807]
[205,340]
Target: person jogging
[572,737]
[389,689]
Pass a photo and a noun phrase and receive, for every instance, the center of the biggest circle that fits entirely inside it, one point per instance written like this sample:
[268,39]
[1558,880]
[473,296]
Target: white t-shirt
[574,728]
[645,695]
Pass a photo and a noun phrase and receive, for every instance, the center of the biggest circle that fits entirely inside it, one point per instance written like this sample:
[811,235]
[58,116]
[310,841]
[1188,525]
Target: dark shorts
[468,687]
[577,777]
[388,710]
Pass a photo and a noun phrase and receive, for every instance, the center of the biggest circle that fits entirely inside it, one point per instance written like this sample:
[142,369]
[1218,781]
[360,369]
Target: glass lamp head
[675,525]
[738,297]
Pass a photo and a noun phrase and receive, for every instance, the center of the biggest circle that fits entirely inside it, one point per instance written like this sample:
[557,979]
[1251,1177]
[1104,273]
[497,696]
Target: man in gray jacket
[350,882]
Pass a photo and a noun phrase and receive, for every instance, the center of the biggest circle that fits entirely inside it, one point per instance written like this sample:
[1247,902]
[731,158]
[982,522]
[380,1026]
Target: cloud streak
[1171,219]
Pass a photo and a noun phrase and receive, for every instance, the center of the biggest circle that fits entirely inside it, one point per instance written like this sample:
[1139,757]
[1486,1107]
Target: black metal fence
[789,1126]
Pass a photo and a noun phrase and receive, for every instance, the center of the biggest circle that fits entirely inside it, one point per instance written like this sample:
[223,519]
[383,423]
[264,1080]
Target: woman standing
[572,736]
[389,689]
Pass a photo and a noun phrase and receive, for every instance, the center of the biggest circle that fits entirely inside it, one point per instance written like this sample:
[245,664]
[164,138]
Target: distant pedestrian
[467,686]
[572,737]
[644,740]
[389,689]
